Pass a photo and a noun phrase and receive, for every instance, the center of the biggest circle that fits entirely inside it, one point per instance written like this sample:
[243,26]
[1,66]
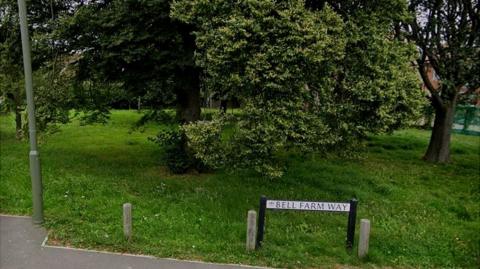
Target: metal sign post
[261,221]
[352,217]
[35,173]
[350,208]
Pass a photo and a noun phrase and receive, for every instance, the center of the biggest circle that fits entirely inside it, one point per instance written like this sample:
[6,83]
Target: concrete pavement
[21,247]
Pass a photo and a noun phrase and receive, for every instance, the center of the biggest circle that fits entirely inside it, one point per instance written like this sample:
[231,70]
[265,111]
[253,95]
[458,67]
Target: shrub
[178,156]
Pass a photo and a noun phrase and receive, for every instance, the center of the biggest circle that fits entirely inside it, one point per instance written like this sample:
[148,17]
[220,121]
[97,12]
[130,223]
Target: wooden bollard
[127,221]
[364,238]
[251,229]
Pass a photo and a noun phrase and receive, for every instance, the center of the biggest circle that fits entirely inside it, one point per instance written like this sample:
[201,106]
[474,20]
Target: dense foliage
[311,76]
[309,79]
[11,92]
[136,47]
[53,95]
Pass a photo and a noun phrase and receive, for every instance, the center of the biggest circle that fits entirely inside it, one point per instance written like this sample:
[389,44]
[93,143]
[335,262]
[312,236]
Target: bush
[178,157]
[204,139]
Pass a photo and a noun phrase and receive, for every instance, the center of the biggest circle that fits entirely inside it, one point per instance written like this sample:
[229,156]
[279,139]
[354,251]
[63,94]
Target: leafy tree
[266,53]
[135,45]
[310,77]
[448,36]
[52,99]
[11,62]
[376,88]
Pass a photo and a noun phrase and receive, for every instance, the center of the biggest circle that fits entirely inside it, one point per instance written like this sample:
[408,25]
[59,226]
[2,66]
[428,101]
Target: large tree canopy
[310,75]
[311,78]
[136,46]
[375,89]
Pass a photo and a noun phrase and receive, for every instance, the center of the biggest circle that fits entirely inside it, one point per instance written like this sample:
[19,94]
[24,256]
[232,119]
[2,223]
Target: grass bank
[422,215]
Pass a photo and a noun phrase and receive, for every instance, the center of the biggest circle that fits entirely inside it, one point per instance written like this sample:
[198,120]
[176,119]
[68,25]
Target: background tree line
[312,76]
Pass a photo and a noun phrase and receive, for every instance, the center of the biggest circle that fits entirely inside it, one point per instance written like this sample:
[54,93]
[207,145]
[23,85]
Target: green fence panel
[467,120]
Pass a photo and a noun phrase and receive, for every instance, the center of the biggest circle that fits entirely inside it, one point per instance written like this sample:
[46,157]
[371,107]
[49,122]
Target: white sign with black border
[308,206]
[350,207]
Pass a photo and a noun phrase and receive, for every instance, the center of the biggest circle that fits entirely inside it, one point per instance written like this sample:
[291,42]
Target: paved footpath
[22,246]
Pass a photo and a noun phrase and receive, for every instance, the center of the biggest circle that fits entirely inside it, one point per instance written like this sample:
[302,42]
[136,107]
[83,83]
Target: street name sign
[308,206]
[349,207]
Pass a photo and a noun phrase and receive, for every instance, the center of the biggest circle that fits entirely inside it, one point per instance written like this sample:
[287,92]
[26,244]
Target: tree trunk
[188,96]
[18,123]
[188,109]
[439,148]
[223,106]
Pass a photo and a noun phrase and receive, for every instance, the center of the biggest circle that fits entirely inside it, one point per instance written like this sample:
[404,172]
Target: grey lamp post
[35,174]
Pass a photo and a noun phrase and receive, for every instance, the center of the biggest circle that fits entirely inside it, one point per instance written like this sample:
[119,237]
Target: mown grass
[422,215]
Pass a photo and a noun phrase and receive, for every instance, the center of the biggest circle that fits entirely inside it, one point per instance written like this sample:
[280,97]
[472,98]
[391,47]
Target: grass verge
[422,215]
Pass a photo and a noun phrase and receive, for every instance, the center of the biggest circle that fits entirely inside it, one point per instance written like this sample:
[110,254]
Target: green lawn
[422,215]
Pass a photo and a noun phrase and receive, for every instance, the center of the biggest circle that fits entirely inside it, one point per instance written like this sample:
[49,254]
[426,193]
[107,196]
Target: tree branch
[474,18]
[435,97]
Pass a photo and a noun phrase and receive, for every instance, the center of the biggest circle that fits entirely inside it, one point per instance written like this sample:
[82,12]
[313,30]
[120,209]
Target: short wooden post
[251,229]
[364,238]
[127,221]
